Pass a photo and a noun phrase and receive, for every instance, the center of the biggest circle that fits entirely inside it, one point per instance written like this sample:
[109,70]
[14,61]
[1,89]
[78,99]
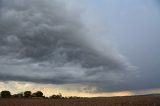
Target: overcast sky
[95,46]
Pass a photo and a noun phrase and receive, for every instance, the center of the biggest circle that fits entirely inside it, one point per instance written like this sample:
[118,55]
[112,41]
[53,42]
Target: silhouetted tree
[38,94]
[5,94]
[19,95]
[27,94]
[74,97]
[59,96]
[33,94]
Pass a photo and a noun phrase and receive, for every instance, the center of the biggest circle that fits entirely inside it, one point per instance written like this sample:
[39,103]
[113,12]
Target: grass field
[115,101]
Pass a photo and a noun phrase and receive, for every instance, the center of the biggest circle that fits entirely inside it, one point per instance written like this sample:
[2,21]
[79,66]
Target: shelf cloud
[44,41]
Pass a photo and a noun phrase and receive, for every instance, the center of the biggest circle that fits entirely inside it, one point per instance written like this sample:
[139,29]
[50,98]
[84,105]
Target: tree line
[29,94]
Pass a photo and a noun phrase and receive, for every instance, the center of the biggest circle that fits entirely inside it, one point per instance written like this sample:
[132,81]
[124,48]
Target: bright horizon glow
[48,90]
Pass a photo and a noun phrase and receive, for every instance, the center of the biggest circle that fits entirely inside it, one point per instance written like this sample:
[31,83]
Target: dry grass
[116,101]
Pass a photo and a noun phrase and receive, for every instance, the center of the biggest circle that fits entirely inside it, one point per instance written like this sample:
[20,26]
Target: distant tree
[34,95]
[19,95]
[38,94]
[27,94]
[74,97]
[59,96]
[5,94]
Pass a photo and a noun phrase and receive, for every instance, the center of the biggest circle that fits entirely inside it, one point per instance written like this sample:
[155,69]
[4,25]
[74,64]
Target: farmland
[111,101]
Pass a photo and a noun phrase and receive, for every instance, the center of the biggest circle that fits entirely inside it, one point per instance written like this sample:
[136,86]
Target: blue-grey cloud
[135,28]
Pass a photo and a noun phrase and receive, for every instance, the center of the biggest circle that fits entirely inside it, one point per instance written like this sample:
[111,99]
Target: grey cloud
[45,42]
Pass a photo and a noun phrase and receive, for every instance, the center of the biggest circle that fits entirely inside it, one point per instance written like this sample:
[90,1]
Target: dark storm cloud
[46,42]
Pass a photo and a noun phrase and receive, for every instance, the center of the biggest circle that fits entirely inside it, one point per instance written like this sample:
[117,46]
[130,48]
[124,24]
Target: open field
[115,101]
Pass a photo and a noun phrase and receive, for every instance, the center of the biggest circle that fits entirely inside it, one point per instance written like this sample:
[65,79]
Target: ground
[112,101]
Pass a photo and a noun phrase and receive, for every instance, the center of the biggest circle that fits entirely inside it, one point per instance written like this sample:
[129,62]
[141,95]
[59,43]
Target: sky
[83,48]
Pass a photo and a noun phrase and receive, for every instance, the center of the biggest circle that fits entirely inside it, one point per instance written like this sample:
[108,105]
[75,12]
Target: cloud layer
[45,41]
